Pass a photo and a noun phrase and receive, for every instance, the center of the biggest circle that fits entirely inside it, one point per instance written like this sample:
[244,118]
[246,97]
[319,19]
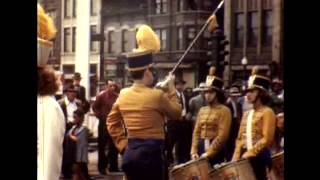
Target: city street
[93,169]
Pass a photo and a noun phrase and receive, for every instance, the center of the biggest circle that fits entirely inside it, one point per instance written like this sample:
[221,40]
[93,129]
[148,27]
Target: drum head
[240,170]
[195,169]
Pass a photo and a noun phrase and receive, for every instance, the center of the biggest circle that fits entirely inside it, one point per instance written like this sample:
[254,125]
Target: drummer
[257,128]
[213,123]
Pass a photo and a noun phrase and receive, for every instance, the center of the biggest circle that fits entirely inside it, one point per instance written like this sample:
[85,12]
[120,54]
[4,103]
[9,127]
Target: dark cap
[77,76]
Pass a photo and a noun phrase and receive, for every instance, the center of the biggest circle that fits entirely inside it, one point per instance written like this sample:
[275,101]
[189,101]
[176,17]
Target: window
[191,33]
[267,27]
[180,5]
[238,5]
[252,5]
[67,40]
[111,40]
[93,44]
[239,33]
[252,28]
[126,46]
[161,6]
[74,8]
[267,4]
[67,8]
[93,7]
[162,34]
[68,68]
[180,38]
[163,39]
[74,39]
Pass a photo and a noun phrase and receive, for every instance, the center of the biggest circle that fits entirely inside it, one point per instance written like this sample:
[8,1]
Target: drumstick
[196,38]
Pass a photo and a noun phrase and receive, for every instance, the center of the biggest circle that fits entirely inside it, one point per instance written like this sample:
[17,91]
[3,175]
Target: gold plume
[255,70]
[147,40]
[212,71]
[46,28]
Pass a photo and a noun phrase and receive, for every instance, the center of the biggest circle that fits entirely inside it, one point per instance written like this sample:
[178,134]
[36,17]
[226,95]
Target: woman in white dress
[51,126]
[50,118]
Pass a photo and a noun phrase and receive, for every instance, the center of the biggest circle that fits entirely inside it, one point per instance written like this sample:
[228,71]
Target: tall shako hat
[46,32]
[258,81]
[214,82]
[148,44]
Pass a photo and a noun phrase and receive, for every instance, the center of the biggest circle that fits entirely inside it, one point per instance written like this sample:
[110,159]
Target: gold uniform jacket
[142,111]
[213,122]
[263,128]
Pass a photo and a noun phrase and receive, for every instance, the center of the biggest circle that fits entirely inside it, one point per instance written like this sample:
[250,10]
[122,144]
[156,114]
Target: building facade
[177,24]
[68,40]
[121,19]
[255,31]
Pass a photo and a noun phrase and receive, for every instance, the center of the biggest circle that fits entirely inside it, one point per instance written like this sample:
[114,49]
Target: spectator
[101,107]
[77,147]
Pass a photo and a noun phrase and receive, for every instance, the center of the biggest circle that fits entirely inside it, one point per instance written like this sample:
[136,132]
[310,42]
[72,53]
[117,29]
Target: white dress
[50,134]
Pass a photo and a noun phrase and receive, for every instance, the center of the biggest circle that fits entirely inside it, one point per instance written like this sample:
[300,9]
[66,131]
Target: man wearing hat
[236,112]
[81,91]
[68,104]
[257,128]
[179,133]
[213,123]
[277,95]
[136,120]
[196,102]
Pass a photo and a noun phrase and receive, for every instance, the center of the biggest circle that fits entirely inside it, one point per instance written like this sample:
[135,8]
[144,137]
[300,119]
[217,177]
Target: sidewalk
[93,169]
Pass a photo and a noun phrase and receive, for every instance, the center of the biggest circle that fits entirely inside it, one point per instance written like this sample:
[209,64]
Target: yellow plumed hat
[46,32]
[147,40]
[46,28]
[148,44]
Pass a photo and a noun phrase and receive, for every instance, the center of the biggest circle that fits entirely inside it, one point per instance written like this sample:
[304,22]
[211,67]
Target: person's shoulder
[224,107]
[125,91]
[268,110]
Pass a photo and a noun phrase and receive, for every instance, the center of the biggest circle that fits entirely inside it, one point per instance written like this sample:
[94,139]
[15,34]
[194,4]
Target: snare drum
[277,170]
[192,170]
[238,170]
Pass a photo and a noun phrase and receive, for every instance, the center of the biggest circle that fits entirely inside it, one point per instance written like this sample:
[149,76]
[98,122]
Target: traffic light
[221,51]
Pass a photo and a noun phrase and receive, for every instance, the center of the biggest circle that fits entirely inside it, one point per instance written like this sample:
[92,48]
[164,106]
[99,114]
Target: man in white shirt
[69,104]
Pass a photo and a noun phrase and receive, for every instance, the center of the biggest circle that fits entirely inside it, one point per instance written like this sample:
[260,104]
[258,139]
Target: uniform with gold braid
[142,110]
[257,129]
[213,124]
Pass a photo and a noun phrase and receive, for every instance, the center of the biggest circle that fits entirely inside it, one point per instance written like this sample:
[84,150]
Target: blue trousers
[144,160]
[217,159]
[260,163]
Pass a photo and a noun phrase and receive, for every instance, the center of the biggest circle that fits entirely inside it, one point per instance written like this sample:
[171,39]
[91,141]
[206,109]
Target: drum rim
[279,154]
[230,164]
[187,164]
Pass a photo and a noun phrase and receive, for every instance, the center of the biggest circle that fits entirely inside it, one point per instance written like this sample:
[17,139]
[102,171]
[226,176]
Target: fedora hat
[234,91]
